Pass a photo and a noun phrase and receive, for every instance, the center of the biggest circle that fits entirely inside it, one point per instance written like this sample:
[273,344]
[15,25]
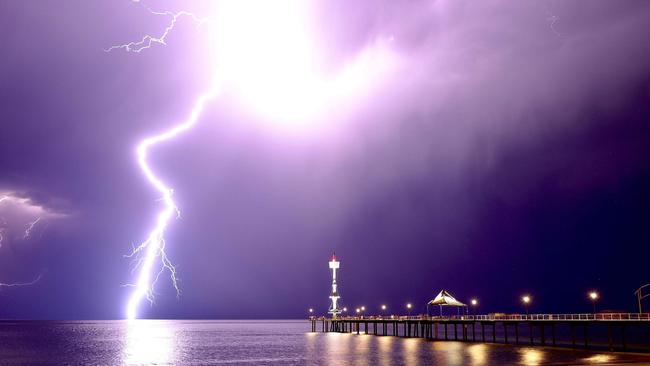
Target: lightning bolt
[154,246]
[150,256]
[152,250]
[552,19]
[20,284]
[30,228]
[2,238]
[148,40]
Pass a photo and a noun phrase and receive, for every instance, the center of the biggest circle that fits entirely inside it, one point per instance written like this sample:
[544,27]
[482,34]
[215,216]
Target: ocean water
[176,342]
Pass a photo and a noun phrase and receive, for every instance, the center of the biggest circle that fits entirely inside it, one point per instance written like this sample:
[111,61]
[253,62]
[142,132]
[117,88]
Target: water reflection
[410,351]
[362,350]
[531,356]
[385,345]
[478,354]
[600,358]
[452,352]
[148,342]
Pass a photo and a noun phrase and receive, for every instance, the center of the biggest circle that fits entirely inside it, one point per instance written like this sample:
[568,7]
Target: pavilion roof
[444,298]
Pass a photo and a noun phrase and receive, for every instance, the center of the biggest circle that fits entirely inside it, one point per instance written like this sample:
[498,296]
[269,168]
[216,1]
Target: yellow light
[358,310]
[593,295]
[363,308]
[526,299]
[383,307]
[474,302]
[409,305]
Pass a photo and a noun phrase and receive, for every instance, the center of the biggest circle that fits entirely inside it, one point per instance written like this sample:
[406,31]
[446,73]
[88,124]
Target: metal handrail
[493,317]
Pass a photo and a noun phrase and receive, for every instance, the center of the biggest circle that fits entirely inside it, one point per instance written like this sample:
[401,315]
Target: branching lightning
[20,284]
[551,18]
[153,248]
[148,40]
[30,228]
[265,56]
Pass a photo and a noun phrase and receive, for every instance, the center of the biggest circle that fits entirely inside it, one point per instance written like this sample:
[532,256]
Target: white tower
[334,309]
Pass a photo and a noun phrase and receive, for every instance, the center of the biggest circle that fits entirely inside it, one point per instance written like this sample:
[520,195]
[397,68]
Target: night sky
[506,151]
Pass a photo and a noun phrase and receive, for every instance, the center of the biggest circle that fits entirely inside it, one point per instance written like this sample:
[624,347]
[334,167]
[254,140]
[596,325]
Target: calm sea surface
[174,342]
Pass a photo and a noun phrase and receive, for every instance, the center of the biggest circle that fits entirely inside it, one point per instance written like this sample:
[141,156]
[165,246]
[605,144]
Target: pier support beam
[553,332]
[573,335]
[483,332]
[517,333]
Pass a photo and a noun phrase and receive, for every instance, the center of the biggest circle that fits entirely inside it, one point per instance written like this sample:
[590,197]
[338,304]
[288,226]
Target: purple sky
[508,152]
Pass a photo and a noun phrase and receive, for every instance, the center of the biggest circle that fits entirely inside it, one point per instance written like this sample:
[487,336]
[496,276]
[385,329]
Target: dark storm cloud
[508,130]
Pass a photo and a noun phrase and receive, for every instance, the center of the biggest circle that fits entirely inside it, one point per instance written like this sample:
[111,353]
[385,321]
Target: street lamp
[383,307]
[345,310]
[311,310]
[358,311]
[593,295]
[363,308]
[474,303]
[526,300]
[409,306]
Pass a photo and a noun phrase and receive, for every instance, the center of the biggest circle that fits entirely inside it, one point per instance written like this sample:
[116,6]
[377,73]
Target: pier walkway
[533,329]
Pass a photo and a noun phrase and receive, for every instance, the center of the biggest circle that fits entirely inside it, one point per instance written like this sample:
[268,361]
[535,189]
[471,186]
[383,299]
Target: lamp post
[383,310]
[474,303]
[408,307]
[593,296]
[640,296]
[311,310]
[526,301]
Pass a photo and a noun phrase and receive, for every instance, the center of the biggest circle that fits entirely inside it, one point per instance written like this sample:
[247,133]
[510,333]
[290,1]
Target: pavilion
[444,298]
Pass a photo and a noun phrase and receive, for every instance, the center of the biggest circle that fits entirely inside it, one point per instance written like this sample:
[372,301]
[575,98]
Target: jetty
[532,329]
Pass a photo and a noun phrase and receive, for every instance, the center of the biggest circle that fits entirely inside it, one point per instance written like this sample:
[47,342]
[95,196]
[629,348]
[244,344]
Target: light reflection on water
[409,351]
[478,354]
[149,342]
[531,356]
[163,342]
[385,348]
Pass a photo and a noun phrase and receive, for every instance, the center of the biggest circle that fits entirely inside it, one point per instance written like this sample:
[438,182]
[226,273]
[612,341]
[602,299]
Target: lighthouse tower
[334,309]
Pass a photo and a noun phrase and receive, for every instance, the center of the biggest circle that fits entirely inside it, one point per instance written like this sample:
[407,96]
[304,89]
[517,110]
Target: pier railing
[523,317]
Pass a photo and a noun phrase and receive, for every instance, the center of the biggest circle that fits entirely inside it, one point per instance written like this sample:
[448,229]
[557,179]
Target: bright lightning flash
[154,246]
[264,56]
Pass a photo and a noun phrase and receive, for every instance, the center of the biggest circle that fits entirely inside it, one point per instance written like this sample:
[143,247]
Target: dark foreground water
[173,342]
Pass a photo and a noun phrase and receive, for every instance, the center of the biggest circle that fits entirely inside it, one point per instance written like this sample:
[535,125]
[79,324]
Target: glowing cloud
[21,217]
[265,55]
